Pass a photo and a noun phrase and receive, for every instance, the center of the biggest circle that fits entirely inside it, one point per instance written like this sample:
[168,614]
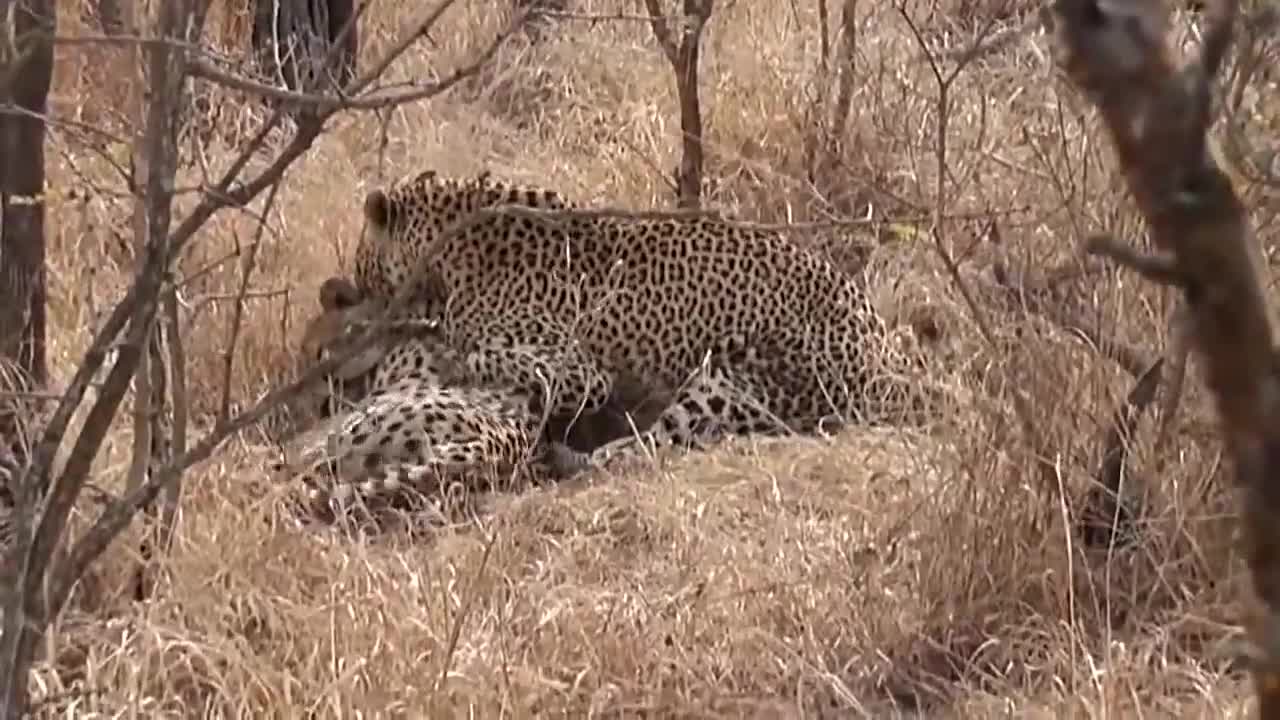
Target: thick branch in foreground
[1158,117]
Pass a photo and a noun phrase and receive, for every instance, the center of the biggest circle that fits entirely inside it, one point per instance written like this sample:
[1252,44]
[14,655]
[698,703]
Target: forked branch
[1158,117]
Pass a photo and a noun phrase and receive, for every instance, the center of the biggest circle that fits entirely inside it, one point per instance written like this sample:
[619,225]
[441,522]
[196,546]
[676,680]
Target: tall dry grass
[859,577]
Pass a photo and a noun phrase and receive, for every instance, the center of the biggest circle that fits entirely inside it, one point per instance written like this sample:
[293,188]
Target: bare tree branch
[1177,354]
[227,192]
[944,81]
[1158,116]
[27,606]
[161,537]
[156,103]
[684,56]
[237,310]
[371,101]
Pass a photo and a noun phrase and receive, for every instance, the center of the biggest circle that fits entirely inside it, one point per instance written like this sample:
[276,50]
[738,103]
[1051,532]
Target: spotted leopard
[401,419]
[529,287]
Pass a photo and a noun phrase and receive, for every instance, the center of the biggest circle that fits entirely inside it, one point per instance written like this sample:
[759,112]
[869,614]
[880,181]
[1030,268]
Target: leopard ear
[377,209]
[338,293]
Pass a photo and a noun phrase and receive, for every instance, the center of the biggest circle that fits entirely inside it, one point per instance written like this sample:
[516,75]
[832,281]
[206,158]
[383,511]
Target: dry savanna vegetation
[945,571]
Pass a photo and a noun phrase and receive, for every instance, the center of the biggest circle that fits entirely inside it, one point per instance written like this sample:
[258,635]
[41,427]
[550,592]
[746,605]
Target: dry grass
[796,578]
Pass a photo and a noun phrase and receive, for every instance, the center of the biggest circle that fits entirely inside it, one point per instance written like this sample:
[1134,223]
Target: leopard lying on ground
[401,419]
[539,289]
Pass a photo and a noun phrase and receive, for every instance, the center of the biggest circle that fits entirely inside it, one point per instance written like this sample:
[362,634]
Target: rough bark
[22,131]
[1158,115]
[25,75]
[683,48]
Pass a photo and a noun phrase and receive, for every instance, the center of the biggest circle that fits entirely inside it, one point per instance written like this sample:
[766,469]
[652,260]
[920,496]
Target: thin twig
[237,309]
[225,196]
[599,17]
[944,82]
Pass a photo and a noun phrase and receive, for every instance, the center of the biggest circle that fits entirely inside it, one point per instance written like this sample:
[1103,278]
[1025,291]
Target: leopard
[558,301]
[401,420]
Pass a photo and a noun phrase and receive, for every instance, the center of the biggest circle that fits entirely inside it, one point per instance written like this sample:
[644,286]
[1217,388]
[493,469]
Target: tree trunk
[683,47]
[25,84]
[293,38]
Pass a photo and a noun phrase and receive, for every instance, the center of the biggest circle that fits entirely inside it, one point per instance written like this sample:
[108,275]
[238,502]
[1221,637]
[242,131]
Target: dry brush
[142,328]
